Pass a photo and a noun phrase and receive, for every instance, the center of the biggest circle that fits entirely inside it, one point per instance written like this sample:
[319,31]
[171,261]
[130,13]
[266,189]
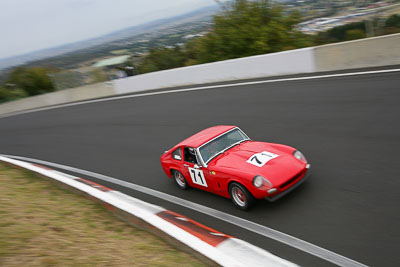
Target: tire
[180,180]
[241,197]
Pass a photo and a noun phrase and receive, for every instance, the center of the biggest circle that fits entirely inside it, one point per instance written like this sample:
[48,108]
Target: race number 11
[197,177]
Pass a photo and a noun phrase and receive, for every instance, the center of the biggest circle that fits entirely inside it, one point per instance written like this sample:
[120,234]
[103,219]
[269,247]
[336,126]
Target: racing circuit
[346,125]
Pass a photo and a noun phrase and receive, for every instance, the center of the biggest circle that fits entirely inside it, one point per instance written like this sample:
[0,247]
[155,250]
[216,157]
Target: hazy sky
[29,25]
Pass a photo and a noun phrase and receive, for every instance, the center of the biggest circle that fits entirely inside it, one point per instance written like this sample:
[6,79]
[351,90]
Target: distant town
[349,15]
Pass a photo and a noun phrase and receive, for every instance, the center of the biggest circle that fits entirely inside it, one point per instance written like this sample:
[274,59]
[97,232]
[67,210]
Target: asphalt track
[348,128]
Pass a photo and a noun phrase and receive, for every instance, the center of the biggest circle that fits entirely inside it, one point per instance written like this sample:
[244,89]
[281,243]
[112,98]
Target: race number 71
[197,177]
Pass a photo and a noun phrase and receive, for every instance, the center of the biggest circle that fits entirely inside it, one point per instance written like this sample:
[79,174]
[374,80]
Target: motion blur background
[54,45]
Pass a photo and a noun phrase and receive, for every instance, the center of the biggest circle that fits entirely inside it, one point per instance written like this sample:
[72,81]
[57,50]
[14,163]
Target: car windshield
[223,142]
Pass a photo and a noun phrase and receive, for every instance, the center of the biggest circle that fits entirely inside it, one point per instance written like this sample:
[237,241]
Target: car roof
[205,135]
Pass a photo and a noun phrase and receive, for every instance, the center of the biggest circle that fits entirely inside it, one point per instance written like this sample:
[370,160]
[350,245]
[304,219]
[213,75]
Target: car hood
[282,166]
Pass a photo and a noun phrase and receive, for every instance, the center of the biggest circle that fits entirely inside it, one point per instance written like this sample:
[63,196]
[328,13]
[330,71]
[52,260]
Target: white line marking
[204,88]
[243,223]
[217,234]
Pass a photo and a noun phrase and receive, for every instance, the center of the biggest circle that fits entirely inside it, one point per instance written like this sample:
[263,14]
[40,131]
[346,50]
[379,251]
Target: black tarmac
[348,128]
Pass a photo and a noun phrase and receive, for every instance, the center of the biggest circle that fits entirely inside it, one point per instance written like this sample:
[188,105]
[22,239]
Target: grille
[291,180]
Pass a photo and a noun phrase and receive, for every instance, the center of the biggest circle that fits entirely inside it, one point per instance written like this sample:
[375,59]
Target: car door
[195,175]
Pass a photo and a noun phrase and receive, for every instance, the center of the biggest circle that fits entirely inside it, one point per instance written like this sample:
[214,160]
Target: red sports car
[223,160]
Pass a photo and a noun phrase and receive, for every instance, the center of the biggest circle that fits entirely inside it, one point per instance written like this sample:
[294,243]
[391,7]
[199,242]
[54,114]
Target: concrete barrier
[371,52]
[60,97]
[287,62]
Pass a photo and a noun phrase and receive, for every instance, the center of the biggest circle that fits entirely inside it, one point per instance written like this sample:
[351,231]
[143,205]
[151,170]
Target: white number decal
[260,159]
[197,177]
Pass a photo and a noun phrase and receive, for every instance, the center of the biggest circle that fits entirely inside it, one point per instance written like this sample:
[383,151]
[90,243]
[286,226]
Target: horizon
[27,46]
[102,35]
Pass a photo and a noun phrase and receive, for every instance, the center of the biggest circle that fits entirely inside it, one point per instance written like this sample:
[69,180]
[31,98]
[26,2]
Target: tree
[341,33]
[33,81]
[98,75]
[246,28]
[355,34]
[392,24]
[393,21]
[8,94]
[243,28]
[162,59]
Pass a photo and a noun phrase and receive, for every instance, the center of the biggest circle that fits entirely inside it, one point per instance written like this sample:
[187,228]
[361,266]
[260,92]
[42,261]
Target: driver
[191,155]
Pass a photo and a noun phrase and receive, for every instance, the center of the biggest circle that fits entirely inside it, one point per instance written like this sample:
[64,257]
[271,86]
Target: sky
[31,25]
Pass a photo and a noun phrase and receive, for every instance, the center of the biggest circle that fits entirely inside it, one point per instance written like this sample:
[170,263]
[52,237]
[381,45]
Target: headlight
[298,155]
[259,181]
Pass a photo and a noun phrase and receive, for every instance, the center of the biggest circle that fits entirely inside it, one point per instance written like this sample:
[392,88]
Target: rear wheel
[180,180]
[240,196]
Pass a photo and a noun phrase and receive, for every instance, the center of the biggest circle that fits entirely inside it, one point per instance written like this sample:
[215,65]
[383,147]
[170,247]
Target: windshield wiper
[223,151]
[237,143]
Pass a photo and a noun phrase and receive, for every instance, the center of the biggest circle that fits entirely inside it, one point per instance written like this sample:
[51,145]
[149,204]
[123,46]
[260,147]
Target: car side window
[190,155]
[177,154]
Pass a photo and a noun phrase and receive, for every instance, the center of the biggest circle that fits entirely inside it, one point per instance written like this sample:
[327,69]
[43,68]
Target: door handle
[186,165]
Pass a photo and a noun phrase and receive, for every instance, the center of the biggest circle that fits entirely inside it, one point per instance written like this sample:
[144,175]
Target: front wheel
[180,180]
[240,196]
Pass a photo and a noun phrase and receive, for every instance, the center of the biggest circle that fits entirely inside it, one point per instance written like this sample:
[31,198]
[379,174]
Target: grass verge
[44,225]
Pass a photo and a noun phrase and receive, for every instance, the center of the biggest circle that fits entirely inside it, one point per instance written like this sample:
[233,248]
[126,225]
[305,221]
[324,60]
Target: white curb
[216,246]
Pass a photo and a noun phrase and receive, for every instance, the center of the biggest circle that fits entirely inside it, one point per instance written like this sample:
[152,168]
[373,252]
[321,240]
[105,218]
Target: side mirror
[196,166]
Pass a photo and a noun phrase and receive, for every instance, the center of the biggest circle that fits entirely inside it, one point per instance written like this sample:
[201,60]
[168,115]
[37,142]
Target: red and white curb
[216,246]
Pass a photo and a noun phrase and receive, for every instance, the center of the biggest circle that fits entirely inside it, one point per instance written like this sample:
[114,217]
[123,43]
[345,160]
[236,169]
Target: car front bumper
[290,189]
